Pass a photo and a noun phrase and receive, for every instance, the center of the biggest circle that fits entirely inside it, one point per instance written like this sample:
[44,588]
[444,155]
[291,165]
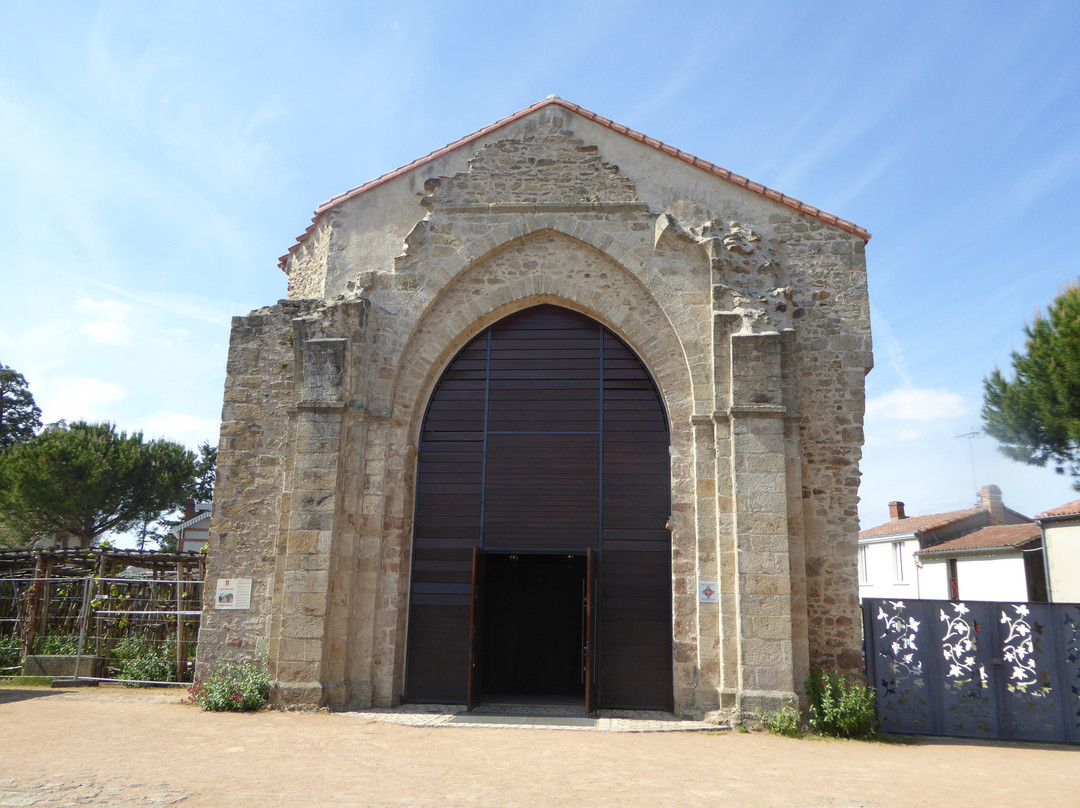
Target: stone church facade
[674,438]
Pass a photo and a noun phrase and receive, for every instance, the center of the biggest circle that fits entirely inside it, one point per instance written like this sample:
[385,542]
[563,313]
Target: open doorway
[534,627]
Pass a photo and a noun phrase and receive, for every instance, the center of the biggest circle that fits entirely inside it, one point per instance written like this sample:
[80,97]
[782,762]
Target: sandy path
[111,747]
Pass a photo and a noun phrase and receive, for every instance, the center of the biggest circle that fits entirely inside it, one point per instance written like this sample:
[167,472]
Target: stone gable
[544,169]
[750,317]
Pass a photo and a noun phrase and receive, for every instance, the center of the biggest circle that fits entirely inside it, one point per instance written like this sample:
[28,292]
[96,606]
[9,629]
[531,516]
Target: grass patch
[26,681]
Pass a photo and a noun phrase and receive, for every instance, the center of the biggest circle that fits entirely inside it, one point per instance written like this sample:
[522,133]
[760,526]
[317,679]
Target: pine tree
[202,490]
[20,418]
[1035,416]
[89,479]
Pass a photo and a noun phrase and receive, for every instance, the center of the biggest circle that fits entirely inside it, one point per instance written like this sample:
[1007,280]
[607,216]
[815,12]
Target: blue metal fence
[975,669]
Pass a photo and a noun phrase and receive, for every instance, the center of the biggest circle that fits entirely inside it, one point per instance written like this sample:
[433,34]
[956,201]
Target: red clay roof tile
[995,537]
[1068,509]
[918,524]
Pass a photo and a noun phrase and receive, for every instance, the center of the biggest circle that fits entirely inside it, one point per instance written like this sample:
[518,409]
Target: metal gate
[975,669]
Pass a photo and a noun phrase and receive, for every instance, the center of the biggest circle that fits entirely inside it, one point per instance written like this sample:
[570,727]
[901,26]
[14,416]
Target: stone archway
[575,276]
[545,439]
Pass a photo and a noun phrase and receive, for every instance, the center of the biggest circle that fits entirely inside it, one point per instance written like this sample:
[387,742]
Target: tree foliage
[90,479]
[202,488]
[1035,416]
[20,418]
[158,528]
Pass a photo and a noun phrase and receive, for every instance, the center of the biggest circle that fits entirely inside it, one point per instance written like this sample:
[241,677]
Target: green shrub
[841,706]
[145,661]
[59,644]
[784,721]
[239,686]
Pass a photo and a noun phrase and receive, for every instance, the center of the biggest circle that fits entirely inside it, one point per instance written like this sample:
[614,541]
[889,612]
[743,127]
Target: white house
[988,552]
[1061,538]
[191,534]
[999,562]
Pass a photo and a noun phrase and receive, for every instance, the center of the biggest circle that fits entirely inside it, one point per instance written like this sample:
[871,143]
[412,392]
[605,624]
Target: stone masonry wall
[254,456]
[753,320]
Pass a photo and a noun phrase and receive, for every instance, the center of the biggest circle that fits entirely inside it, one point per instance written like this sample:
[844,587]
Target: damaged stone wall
[751,317]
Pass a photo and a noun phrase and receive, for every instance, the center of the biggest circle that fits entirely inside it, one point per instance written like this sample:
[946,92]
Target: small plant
[10,652]
[239,686]
[784,721]
[59,645]
[841,706]
[144,661]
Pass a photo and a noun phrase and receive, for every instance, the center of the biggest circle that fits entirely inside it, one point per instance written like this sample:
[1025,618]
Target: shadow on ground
[13,694]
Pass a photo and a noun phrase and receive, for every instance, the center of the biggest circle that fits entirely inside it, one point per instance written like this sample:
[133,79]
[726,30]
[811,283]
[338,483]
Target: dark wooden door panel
[545,433]
[591,669]
[476,630]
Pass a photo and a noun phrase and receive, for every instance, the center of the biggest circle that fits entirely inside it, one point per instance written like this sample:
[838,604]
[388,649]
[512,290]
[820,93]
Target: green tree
[90,479]
[157,528]
[20,418]
[202,489]
[1035,416]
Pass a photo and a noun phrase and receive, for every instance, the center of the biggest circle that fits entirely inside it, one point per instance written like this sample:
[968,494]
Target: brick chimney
[990,500]
[189,509]
[896,511]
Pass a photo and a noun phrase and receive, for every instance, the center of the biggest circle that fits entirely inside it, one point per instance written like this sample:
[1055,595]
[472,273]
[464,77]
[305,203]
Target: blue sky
[156,159]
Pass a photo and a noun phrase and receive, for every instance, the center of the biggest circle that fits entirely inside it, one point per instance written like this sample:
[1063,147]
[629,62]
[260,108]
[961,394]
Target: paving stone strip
[83,788]
[532,717]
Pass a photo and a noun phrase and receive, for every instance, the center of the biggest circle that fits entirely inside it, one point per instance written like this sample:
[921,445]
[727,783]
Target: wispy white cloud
[693,62]
[914,404]
[184,428]
[109,332]
[1048,173]
[160,92]
[110,323]
[58,175]
[842,197]
[73,398]
[888,346]
[186,306]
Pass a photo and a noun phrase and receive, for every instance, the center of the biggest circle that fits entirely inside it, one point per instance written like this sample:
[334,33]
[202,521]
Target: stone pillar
[728,681]
[300,647]
[793,458]
[706,697]
[762,567]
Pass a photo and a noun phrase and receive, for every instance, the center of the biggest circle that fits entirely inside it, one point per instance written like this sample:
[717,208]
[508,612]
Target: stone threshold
[533,716]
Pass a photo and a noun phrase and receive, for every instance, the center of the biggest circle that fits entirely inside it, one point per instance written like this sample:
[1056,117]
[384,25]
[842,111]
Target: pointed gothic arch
[545,438]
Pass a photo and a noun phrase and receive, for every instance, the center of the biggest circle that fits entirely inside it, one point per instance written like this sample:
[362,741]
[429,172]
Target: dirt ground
[119,748]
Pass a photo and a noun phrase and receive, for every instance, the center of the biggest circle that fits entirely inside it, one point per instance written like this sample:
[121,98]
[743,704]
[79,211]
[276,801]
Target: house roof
[995,537]
[918,524]
[198,517]
[686,157]
[1068,509]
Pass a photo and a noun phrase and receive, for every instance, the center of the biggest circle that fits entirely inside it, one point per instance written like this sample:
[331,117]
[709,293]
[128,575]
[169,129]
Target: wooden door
[476,628]
[590,632]
[546,434]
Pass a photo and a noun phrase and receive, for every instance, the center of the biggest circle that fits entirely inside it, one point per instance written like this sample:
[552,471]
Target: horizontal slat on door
[635,600]
[497,468]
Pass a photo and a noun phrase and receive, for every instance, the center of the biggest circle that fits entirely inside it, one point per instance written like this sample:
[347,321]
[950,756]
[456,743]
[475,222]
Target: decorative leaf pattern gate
[975,669]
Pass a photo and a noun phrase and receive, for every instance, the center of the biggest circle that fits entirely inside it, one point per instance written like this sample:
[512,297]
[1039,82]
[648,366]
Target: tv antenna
[974,433]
